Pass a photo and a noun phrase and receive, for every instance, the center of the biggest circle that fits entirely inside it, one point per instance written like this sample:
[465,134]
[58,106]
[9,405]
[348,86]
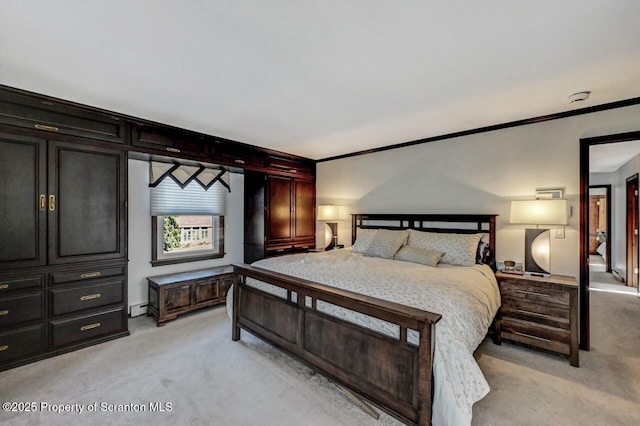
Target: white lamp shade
[539,212]
[328,212]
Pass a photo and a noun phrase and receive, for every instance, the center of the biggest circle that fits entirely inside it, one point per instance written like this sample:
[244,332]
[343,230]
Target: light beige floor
[210,380]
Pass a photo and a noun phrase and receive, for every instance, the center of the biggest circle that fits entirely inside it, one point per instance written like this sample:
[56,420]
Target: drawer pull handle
[536,314]
[533,293]
[4,286]
[170,149]
[4,312]
[280,250]
[4,348]
[90,326]
[239,161]
[90,275]
[45,127]
[532,337]
[90,296]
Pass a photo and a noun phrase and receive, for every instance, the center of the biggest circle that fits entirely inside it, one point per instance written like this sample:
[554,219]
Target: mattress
[466,297]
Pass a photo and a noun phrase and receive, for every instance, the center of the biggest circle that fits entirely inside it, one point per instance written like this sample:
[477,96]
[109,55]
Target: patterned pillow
[459,249]
[363,240]
[418,255]
[386,243]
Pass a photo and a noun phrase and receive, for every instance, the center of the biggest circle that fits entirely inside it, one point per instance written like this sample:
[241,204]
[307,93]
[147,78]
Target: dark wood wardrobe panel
[304,210]
[279,208]
[22,189]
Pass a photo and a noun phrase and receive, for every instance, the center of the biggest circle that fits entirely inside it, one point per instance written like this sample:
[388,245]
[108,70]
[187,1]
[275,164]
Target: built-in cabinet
[63,253]
[63,195]
[279,215]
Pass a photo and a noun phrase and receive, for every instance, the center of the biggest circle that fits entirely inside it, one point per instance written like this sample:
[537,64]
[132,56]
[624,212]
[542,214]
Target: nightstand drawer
[536,312]
[540,336]
[535,292]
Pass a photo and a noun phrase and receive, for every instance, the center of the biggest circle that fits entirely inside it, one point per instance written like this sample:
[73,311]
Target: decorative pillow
[386,243]
[418,255]
[483,252]
[459,249]
[363,240]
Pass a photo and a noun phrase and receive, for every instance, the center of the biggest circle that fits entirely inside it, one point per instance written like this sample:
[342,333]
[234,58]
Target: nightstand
[539,312]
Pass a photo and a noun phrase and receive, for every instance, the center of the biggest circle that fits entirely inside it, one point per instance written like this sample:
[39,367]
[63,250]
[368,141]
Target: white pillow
[459,249]
[386,243]
[363,240]
[418,255]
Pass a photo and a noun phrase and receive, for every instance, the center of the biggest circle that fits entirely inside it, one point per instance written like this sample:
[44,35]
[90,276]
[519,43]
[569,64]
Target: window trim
[183,259]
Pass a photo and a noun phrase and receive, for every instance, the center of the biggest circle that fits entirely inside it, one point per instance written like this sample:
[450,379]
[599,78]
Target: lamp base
[333,231]
[536,252]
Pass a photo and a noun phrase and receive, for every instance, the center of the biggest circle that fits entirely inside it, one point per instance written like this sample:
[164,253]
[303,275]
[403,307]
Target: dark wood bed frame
[392,374]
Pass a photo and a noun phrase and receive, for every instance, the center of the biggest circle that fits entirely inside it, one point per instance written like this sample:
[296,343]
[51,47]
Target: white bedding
[466,297]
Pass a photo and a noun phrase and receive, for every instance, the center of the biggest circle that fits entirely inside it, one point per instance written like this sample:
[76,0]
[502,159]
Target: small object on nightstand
[539,312]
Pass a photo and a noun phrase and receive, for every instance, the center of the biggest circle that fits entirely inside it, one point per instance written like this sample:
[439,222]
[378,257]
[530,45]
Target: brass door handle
[52,202]
[4,286]
[4,348]
[43,202]
[4,312]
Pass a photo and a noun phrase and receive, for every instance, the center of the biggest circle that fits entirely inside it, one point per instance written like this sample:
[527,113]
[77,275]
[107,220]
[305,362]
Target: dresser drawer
[537,335]
[21,342]
[74,330]
[278,250]
[87,274]
[85,297]
[11,284]
[56,117]
[22,308]
[534,292]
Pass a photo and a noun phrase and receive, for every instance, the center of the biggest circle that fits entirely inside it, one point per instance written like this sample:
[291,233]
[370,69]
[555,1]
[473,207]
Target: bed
[383,328]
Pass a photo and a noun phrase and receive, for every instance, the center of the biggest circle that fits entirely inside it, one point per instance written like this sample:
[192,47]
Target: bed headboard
[452,223]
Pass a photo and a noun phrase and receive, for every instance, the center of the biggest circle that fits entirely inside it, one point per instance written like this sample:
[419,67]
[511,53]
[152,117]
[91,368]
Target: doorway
[585,145]
[632,231]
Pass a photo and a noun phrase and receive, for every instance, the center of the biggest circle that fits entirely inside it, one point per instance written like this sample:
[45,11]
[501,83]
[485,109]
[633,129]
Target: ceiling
[610,157]
[323,78]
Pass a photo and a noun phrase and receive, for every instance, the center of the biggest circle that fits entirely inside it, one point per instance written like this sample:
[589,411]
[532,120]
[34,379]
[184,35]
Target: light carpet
[207,379]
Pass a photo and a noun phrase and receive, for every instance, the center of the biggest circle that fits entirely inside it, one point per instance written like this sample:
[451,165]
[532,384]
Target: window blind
[168,198]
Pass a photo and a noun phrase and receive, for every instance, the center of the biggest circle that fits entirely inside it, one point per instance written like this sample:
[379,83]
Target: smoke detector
[578,97]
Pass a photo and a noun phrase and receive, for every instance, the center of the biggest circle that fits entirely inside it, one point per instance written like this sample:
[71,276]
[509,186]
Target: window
[187,221]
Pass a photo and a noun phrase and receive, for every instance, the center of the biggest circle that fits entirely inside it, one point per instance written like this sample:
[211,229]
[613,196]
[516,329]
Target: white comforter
[466,297]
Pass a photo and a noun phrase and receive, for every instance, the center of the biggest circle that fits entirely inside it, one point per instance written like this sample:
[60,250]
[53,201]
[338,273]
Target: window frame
[156,244]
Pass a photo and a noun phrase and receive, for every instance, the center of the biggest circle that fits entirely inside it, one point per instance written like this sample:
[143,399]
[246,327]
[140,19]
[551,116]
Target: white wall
[480,173]
[140,232]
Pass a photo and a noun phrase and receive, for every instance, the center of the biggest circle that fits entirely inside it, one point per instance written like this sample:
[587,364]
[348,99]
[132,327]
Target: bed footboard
[391,373]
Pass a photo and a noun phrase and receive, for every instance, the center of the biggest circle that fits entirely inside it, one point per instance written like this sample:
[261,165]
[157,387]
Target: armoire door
[304,210]
[279,208]
[22,197]
[86,203]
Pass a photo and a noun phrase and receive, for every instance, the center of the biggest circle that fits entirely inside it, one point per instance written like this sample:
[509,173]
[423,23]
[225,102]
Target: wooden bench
[171,295]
